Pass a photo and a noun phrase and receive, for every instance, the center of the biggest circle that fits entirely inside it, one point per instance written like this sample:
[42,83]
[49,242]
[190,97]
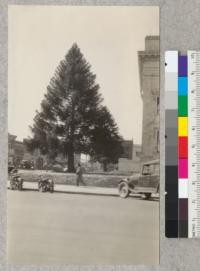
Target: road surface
[61,228]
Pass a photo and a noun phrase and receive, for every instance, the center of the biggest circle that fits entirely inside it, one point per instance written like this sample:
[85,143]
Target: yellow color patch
[183,126]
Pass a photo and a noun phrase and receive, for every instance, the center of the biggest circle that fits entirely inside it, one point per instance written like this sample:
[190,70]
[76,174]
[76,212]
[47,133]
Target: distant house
[128,162]
[127,146]
[16,150]
[130,158]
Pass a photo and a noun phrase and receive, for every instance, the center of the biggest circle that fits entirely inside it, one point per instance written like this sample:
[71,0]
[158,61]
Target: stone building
[127,147]
[149,61]
[15,150]
[128,162]
[130,159]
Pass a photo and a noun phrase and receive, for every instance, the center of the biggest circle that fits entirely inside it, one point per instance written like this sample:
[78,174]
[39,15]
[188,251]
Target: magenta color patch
[183,168]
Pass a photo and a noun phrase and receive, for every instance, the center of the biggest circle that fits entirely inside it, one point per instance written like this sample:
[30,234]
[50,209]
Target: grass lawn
[99,180]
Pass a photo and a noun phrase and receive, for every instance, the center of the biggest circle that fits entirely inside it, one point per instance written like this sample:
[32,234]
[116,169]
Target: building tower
[149,61]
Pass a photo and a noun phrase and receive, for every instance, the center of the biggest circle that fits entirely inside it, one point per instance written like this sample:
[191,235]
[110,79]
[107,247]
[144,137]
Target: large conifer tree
[72,118]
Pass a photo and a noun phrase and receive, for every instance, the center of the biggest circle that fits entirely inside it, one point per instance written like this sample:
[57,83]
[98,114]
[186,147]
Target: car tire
[147,196]
[123,190]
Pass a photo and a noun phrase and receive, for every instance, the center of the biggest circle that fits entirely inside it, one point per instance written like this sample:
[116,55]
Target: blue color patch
[182,85]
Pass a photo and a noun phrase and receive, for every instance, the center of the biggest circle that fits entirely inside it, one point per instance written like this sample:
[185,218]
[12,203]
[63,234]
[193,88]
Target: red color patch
[183,147]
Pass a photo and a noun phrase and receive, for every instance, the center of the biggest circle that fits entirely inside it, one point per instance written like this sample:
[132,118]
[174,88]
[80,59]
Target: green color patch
[183,106]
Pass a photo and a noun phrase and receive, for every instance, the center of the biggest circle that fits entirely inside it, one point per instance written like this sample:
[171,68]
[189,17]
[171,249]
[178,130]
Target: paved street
[63,228]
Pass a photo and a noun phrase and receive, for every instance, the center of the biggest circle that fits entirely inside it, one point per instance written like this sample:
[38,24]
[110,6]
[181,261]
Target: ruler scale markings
[194,140]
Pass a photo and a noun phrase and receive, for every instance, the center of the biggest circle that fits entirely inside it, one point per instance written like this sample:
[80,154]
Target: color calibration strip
[182,148]
[171,143]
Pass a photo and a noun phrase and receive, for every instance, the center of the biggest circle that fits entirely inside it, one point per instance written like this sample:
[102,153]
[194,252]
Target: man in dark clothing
[79,175]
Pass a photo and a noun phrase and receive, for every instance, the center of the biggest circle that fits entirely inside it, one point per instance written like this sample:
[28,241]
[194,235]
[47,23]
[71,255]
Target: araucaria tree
[72,118]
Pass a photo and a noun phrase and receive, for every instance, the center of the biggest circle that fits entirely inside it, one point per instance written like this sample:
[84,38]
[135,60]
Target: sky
[109,37]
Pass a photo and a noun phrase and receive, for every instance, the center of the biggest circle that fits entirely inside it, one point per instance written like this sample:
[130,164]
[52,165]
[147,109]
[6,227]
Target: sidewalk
[76,189]
[72,189]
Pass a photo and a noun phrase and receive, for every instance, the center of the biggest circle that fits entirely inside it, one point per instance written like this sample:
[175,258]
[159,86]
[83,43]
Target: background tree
[105,141]
[72,118]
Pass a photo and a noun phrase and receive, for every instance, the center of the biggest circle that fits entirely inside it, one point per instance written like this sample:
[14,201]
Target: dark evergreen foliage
[72,117]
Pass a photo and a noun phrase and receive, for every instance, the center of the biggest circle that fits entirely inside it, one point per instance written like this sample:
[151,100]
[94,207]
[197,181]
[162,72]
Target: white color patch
[171,60]
[183,188]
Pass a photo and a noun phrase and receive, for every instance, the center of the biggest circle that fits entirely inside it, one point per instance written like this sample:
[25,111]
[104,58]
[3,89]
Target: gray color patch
[171,81]
[171,118]
[171,100]
[171,137]
[171,156]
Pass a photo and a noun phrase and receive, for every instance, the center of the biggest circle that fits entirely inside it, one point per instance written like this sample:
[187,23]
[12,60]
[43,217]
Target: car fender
[123,181]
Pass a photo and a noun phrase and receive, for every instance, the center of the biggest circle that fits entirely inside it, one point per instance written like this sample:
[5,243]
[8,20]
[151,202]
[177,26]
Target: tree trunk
[105,168]
[71,161]
[71,144]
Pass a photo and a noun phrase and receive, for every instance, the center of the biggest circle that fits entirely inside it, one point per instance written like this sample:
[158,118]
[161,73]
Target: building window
[158,140]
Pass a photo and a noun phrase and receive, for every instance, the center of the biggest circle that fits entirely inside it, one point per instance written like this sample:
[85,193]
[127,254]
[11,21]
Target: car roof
[156,161]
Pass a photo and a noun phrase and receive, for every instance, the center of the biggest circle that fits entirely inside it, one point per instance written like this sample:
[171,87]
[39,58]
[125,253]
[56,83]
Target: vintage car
[26,164]
[146,183]
[45,185]
[16,182]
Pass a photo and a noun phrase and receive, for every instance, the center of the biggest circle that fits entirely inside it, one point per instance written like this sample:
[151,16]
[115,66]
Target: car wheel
[147,195]
[123,190]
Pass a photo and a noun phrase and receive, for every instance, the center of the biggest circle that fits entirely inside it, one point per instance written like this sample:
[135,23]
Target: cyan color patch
[182,85]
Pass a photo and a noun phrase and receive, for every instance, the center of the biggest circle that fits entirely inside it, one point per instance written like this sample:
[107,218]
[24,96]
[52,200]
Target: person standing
[79,175]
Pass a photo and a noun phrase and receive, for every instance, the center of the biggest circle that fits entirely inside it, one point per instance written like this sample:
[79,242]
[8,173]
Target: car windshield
[148,169]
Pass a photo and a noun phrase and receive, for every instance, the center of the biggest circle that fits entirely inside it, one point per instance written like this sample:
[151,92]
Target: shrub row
[70,178]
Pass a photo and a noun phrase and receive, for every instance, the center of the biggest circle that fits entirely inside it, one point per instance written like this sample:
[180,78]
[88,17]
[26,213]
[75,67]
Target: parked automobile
[45,185]
[26,164]
[59,168]
[10,168]
[145,183]
[16,182]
